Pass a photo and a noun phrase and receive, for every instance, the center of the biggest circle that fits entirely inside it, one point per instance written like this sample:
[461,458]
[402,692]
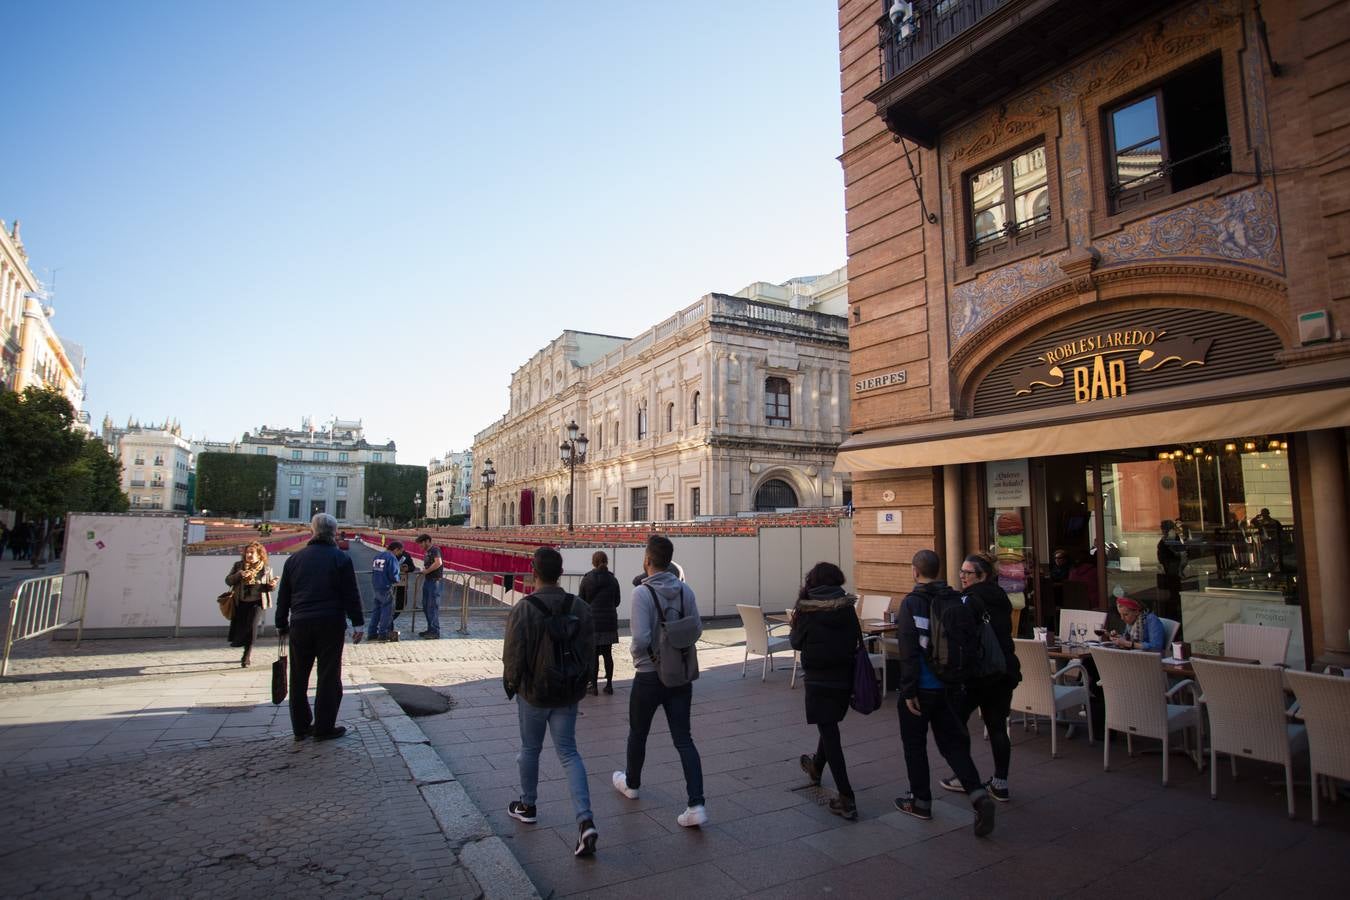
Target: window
[614,513]
[553,511]
[297,480]
[637,504]
[775,494]
[341,511]
[296,454]
[342,456]
[321,455]
[616,434]
[159,460]
[600,436]
[376,456]
[261,451]
[293,509]
[777,401]
[599,509]
[1170,139]
[670,512]
[1009,204]
[694,410]
[140,459]
[317,506]
[342,481]
[670,417]
[642,422]
[695,504]
[320,484]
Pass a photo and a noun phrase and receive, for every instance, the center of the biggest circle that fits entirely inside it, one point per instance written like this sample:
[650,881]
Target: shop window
[777,401]
[1170,139]
[638,504]
[1009,204]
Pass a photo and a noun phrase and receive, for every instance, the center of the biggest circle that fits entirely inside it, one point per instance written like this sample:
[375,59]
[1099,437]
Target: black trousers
[941,711]
[605,652]
[649,695]
[830,751]
[994,701]
[319,641]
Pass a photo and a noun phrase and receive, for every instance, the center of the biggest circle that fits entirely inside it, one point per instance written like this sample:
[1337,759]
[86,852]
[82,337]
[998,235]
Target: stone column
[1330,525]
[953,529]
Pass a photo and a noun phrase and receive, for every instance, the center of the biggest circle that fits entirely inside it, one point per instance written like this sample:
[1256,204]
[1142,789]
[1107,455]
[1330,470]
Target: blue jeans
[381,617]
[562,724]
[431,604]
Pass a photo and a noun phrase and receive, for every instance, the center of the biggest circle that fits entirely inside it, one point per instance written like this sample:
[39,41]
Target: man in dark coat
[318,592]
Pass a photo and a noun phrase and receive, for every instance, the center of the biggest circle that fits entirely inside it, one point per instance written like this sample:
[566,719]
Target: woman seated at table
[1143,630]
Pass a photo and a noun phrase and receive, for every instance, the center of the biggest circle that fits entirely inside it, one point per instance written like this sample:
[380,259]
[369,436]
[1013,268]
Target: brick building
[1099,270]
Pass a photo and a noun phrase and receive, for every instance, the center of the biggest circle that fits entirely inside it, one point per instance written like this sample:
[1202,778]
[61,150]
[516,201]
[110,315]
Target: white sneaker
[621,785]
[693,817]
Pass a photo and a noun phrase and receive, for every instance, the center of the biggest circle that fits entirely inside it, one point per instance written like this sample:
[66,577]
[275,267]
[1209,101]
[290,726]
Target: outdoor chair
[1140,704]
[1047,695]
[1324,706]
[875,606]
[759,641]
[1070,618]
[1268,644]
[1170,627]
[1248,718]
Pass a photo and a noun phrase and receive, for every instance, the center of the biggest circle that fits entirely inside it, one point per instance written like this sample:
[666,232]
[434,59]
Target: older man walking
[318,593]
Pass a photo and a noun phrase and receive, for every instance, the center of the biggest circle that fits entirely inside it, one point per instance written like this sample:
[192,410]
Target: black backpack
[954,638]
[992,662]
[560,672]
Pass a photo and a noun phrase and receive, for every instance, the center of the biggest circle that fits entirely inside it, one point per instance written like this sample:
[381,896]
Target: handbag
[226,603]
[279,681]
[866,697]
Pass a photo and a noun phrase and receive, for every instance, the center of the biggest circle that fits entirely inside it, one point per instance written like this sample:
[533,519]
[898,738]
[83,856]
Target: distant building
[156,464]
[320,468]
[31,353]
[450,474]
[732,405]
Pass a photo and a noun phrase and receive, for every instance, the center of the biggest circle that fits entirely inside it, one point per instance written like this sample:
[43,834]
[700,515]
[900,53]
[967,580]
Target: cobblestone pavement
[251,818]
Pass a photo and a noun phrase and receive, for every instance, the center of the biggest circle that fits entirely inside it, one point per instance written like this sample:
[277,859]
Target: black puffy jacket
[826,631]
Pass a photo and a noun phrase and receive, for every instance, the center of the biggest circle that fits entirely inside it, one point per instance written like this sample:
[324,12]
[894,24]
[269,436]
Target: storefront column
[1330,526]
[952,522]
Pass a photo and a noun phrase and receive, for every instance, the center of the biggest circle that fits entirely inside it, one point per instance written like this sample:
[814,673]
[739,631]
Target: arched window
[694,410]
[670,417]
[777,401]
[512,520]
[553,511]
[775,494]
[642,421]
[567,508]
[541,512]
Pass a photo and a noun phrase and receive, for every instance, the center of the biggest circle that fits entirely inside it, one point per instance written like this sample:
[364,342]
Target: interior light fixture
[1230,447]
[1249,446]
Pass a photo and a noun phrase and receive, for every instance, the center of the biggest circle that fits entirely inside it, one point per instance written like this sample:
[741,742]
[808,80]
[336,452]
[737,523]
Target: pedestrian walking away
[385,575]
[927,700]
[548,659]
[600,589]
[318,593]
[253,583]
[992,695]
[432,573]
[661,603]
[826,631]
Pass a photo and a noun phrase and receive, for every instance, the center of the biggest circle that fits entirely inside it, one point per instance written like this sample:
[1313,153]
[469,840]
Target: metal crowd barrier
[478,591]
[38,605]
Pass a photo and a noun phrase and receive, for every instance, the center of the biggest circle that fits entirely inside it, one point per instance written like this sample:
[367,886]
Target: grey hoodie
[642,619]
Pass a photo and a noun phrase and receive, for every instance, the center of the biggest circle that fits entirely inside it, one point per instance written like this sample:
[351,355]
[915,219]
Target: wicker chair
[758,641]
[1047,695]
[1247,717]
[1139,704]
[1324,702]
[1267,643]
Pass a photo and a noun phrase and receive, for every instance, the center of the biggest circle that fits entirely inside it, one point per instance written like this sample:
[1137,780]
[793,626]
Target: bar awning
[1299,398]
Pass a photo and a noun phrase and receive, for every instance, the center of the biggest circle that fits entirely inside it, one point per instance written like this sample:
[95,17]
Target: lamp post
[489,479]
[265,501]
[572,452]
[417,505]
[373,501]
[440,495]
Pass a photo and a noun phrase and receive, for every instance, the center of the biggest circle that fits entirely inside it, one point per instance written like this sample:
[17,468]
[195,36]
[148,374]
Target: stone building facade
[1099,272]
[156,464]
[733,404]
[450,474]
[32,354]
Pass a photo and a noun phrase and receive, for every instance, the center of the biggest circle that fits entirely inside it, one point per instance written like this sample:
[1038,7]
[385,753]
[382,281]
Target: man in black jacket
[318,592]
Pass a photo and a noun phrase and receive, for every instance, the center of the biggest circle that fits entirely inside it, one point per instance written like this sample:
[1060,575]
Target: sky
[251,212]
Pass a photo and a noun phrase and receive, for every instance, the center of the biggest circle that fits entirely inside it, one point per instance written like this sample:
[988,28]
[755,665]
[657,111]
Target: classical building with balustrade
[733,404]
[1099,280]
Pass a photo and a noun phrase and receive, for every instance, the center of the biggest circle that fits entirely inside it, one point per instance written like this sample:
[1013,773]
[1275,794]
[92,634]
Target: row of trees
[47,469]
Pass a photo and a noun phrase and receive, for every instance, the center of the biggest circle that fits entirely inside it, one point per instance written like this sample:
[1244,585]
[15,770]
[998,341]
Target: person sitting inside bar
[1143,630]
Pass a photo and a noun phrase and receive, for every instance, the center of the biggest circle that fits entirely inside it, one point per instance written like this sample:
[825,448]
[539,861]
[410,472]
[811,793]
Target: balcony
[950,58]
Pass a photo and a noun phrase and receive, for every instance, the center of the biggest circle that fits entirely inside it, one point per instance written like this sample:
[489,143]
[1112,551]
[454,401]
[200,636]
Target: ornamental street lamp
[373,501]
[417,505]
[572,452]
[265,501]
[489,479]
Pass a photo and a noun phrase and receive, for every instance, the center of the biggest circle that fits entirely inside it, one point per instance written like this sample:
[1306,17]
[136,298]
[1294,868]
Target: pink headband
[1127,603]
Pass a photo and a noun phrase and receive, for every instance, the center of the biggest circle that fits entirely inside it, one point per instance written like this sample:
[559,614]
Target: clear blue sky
[258,211]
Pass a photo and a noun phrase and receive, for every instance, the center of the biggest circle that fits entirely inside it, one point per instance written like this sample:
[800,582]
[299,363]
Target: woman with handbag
[825,629]
[252,582]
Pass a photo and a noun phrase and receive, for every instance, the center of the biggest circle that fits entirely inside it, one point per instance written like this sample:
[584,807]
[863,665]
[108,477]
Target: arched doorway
[775,494]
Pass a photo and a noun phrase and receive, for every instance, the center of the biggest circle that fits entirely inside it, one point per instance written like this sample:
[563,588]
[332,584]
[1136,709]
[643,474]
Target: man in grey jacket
[660,593]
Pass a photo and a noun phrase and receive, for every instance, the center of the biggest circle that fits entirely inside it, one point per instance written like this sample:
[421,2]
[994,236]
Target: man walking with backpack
[939,651]
[665,626]
[548,659]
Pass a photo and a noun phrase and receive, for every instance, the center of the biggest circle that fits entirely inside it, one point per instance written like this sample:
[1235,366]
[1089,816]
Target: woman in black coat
[600,589]
[993,696]
[825,629]
[253,583]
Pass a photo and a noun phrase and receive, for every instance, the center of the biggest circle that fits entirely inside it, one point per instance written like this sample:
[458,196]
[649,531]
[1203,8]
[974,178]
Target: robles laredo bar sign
[1124,353]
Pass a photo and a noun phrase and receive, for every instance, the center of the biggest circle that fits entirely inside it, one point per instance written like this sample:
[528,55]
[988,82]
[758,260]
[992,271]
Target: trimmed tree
[94,481]
[39,447]
[229,483]
[396,486]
